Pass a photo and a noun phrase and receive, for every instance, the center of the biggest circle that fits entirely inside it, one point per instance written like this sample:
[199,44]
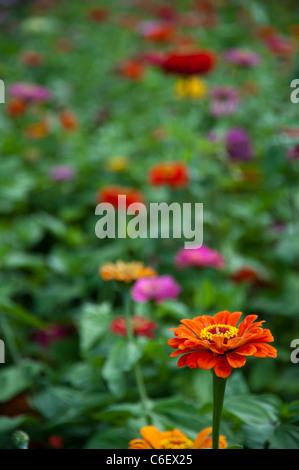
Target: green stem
[218,397]
[136,368]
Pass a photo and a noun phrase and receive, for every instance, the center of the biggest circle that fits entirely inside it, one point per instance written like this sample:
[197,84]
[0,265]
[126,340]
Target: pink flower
[30,91]
[242,57]
[62,173]
[201,257]
[156,288]
[225,101]
[141,326]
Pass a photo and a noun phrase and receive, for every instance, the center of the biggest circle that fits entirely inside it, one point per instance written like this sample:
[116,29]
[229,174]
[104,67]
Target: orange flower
[126,272]
[68,120]
[216,342]
[131,69]
[16,107]
[173,174]
[110,194]
[38,130]
[175,439]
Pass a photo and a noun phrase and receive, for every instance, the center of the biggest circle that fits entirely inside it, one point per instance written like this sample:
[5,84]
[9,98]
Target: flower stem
[136,368]
[218,397]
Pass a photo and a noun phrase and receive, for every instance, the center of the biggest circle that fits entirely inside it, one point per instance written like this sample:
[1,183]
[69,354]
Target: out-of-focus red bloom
[68,120]
[245,274]
[54,332]
[157,31]
[16,107]
[98,14]
[110,194]
[131,69]
[18,405]
[32,58]
[55,442]
[141,326]
[173,174]
[192,63]
[165,11]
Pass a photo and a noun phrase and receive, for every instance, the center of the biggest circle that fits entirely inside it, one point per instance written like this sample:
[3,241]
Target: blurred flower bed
[179,101]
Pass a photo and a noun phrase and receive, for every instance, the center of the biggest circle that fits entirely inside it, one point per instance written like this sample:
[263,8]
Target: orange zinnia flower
[173,174]
[175,439]
[126,272]
[68,120]
[216,342]
[110,194]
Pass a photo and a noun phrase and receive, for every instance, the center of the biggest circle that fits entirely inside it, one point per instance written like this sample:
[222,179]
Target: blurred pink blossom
[155,288]
[200,257]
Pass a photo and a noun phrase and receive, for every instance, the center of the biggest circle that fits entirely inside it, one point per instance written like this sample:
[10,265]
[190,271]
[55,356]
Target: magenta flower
[225,101]
[238,144]
[155,288]
[293,153]
[62,173]
[242,57]
[203,257]
[30,92]
[53,332]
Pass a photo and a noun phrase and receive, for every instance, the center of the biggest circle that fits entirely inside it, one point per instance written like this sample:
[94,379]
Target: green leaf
[21,314]
[93,325]
[16,379]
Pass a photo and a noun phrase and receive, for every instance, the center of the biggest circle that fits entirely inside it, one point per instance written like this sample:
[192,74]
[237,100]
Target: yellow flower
[175,439]
[191,87]
[125,272]
[118,163]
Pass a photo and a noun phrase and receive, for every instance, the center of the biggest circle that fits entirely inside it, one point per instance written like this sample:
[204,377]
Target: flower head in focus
[172,174]
[141,326]
[217,343]
[152,438]
[200,257]
[125,272]
[156,288]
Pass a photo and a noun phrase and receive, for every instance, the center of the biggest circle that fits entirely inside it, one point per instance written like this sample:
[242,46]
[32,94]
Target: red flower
[173,174]
[55,442]
[16,107]
[98,14]
[245,274]
[131,69]
[193,63]
[68,120]
[141,326]
[110,194]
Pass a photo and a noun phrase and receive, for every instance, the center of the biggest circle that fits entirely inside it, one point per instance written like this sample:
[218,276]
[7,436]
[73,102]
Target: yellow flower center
[225,331]
[176,443]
